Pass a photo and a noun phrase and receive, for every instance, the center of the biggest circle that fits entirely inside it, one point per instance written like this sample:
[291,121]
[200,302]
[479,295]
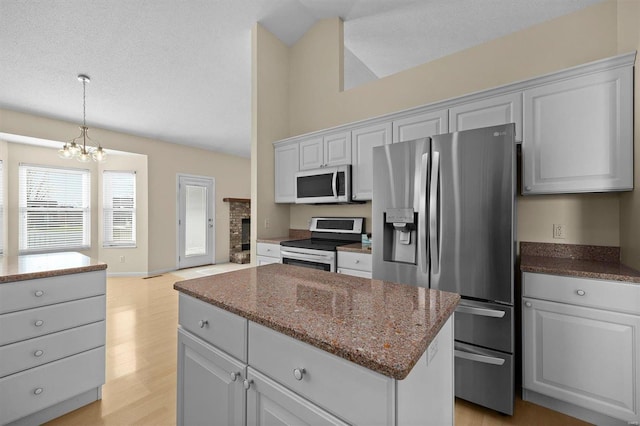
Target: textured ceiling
[179,71]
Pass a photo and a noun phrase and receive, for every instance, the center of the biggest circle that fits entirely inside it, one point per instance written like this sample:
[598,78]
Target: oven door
[315,259]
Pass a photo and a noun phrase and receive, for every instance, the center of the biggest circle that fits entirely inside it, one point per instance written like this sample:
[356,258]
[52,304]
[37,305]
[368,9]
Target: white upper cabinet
[364,140]
[286,166]
[578,134]
[311,153]
[491,111]
[420,126]
[325,151]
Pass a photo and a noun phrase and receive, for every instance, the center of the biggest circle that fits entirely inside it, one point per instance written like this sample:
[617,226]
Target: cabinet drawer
[222,329]
[358,261]
[268,249]
[41,350]
[354,393]
[611,295]
[46,291]
[28,392]
[30,323]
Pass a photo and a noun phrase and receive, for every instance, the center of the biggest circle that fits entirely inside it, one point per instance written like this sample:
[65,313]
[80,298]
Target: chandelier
[78,148]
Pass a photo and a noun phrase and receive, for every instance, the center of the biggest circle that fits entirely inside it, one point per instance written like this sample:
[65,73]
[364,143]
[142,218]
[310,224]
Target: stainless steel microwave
[324,185]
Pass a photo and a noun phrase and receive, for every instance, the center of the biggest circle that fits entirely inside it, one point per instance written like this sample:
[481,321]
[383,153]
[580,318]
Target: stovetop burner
[316,244]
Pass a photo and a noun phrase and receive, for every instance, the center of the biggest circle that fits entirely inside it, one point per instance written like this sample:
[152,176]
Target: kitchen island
[52,335]
[304,346]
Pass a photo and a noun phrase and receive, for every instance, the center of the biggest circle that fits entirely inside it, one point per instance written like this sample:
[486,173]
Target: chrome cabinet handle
[234,376]
[247,383]
[38,293]
[298,373]
[203,323]
[38,353]
[357,261]
[38,391]
[527,188]
[38,323]
[581,292]
[528,304]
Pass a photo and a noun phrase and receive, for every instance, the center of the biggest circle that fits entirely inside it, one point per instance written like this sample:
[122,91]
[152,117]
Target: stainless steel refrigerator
[443,217]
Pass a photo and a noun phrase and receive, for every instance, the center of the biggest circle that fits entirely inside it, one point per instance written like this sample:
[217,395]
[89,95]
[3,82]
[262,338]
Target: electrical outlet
[559,231]
[267,223]
[121,259]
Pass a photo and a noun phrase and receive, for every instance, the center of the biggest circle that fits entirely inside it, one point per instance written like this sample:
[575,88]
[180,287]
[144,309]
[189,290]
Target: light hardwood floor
[142,316]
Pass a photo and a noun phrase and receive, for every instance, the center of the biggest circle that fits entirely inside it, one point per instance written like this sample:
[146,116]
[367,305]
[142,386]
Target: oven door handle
[304,256]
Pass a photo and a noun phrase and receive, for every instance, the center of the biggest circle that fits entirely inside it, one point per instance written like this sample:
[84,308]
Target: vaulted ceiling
[179,71]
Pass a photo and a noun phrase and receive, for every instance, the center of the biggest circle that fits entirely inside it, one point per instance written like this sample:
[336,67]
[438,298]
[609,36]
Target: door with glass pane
[195,221]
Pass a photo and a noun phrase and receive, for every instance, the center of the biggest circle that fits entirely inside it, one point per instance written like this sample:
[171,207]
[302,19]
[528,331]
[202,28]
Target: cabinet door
[269,403]
[493,111]
[207,390]
[286,166]
[311,154]
[337,149]
[584,356]
[420,126]
[578,134]
[363,141]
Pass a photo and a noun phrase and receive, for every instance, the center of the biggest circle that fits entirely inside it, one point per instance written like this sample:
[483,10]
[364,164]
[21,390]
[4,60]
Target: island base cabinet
[210,387]
[585,357]
[269,403]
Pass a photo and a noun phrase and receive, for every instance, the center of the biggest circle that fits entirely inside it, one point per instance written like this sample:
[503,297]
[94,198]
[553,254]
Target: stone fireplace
[239,229]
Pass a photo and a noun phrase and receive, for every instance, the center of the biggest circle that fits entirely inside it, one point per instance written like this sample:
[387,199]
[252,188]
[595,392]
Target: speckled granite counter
[355,248]
[274,240]
[596,262]
[380,325]
[31,266]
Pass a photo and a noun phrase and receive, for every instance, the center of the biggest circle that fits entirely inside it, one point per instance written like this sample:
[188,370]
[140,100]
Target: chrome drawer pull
[38,391]
[38,323]
[247,384]
[38,353]
[478,358]
[493,313]
[38,293]
[234,376]
[581,292]
[203,323]
[298,373]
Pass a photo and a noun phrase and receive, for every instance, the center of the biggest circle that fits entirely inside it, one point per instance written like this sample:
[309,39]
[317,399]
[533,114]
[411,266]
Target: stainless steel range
[319,251]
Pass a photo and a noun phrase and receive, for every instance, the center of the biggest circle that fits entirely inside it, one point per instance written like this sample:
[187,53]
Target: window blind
[55,212]
[1,209]
[119,204]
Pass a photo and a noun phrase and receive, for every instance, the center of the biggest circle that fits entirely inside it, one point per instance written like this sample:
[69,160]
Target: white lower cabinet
[580,359]
[52,353]
[355,264]
[289,382]
[268,253]
[210,387]
[269,403]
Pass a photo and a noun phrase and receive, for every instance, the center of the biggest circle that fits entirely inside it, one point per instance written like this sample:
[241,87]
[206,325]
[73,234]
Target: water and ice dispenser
[400,235]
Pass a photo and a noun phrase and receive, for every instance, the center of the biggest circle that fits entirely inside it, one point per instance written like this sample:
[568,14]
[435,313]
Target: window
[55,212]
[1,210]
[119,204]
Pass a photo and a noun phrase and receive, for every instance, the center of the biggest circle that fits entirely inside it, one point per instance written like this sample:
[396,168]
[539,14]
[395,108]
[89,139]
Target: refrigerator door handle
[493,313]
[433,212]
[334,184]
[422,213]
[478,358]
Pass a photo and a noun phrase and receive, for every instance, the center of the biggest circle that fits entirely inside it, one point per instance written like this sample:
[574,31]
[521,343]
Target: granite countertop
[380,325]
[274,240]
[597,262]
[355,248]
[31,266]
